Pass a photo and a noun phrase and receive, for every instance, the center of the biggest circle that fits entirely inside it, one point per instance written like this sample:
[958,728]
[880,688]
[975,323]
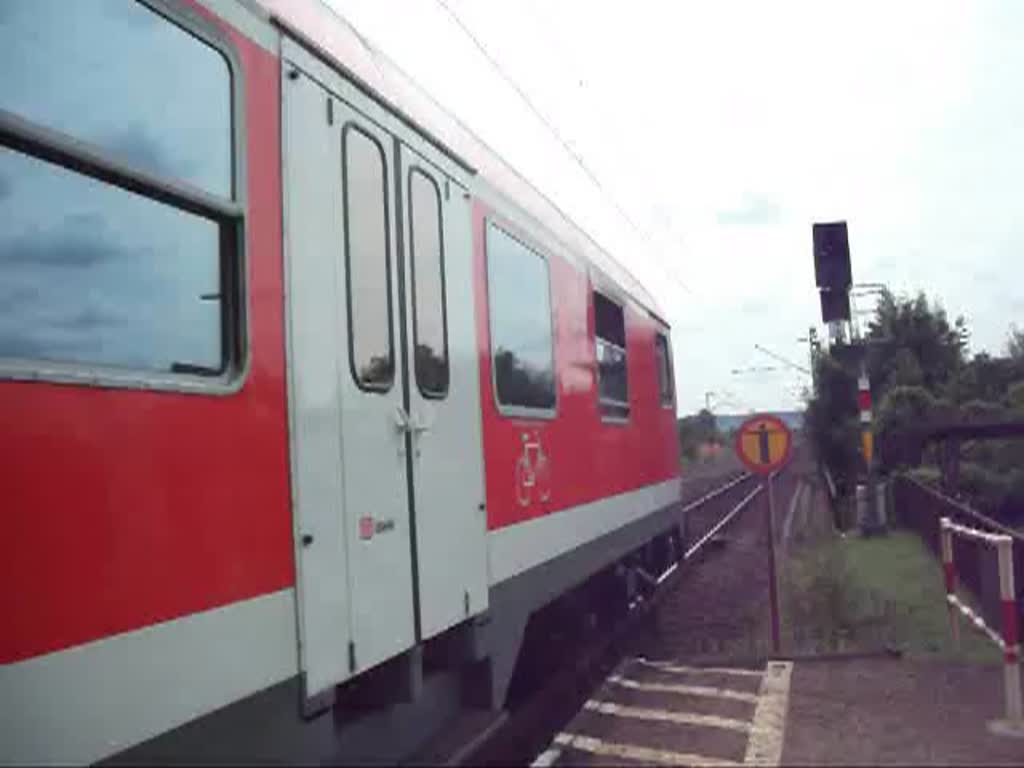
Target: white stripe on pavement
[680,669]
[641,754]
[665,716]
[686,690]
[546,758]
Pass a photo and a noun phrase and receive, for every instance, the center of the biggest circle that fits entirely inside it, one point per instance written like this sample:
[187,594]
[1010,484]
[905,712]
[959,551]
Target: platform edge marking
[648,755]
[768,731]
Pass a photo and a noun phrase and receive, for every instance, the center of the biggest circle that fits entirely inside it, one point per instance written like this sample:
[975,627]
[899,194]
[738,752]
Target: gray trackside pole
[773,587]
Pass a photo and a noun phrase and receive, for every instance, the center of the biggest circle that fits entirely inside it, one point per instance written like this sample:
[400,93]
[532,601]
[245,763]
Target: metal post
[1014,712]
[773,589]
[871,524]
[950,571]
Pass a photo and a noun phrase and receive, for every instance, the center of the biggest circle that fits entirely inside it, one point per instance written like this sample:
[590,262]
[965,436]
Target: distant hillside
[726,422]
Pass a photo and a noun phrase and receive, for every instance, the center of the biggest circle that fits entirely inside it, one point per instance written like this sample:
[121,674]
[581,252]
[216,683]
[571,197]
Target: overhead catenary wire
[654,252]
[781,359]
[576,156]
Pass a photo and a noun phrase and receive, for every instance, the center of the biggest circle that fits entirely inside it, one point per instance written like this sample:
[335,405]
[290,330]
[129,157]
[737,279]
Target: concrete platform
[865,711]
[662,713]
[896,712]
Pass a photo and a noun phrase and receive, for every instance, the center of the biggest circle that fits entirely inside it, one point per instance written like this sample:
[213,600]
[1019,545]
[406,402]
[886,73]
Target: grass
[856,594]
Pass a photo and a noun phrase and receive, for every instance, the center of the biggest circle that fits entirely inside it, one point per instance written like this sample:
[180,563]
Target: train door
[385,403]
[349,430]
[446,461]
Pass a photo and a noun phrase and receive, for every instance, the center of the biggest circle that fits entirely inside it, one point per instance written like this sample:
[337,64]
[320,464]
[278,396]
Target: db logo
[368,527]
[533,471]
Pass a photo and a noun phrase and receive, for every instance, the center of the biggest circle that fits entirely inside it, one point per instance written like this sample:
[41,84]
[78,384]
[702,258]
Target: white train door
[384,388]
[348,430]
[446,461]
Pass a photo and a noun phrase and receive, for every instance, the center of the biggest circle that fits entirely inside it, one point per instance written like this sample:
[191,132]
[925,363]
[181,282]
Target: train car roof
[318,26]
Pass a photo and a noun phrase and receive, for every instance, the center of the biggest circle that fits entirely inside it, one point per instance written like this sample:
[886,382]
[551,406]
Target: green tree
[1015,399]
[831,420]
[903,408]
[919,372]
[984,378]
[914,343]
[1015,344]
[696,430]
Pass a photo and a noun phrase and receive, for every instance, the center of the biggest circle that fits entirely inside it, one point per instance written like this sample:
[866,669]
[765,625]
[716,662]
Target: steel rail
[514,725]
[722,523]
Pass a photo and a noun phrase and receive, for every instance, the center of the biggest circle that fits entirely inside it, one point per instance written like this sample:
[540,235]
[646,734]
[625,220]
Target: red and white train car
[302,391]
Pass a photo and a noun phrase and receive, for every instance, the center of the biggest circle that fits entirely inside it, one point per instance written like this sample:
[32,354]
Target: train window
[428,296]
[123,78]
[610,340]
[666,388]
[367,260]
[521,335]
[120,250]
[115,279]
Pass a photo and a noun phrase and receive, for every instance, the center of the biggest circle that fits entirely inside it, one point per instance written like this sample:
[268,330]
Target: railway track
[712,509]
[698,689]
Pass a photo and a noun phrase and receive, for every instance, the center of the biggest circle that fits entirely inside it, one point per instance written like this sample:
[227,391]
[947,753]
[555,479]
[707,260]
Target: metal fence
[920,508]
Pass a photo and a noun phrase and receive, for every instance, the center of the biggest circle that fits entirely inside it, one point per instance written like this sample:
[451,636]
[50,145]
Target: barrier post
[1009,639]
[1014,713]
[950,570]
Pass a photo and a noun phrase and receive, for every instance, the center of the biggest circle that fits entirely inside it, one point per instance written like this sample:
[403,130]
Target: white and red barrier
[1008,641]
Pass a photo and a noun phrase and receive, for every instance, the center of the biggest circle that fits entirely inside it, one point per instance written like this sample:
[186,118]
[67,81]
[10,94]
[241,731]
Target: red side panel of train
[125,508]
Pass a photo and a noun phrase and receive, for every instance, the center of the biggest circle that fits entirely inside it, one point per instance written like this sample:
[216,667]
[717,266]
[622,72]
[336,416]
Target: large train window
[666,388]
[120,245]
[610,340]
[367,260]
[522,343]
[430,330]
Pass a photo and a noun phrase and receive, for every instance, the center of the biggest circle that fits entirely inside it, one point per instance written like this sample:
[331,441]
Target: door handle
[401,422]
[418,425]
[401,419]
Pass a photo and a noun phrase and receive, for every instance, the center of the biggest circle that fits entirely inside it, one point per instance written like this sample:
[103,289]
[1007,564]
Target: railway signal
[764,444]
[832,270]
[834,280]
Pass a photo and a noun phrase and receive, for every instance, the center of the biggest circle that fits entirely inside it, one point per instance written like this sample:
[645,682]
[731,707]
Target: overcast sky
[723,130]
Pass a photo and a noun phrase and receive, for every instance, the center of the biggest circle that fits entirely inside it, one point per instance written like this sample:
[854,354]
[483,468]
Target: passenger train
[309,403]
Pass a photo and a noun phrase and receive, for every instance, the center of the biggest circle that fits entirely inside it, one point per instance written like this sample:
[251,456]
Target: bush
[1015,398]
[981,411]
[990,489]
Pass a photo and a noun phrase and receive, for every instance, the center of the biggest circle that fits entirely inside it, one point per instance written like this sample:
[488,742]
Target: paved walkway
[660,713]
[896,712]
[836,712]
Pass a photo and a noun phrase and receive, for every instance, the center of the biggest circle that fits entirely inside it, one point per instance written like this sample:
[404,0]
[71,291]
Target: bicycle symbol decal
[533,471]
